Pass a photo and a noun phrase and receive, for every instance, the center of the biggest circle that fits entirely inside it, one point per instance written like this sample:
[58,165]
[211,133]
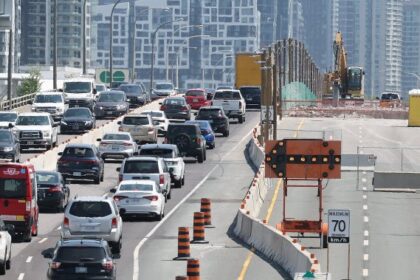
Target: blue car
[206,131]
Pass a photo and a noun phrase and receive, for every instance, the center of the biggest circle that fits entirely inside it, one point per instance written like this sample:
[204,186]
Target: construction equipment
[347,82]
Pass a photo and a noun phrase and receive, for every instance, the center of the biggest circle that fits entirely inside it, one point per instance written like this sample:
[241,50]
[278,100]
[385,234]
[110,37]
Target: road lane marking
[29,259]
[366,233]
[42,240]
[364,189]
[364,180]
[20,277]
[365,272]
[59,228]
[366,242]
[364,196]
[366,257]
[366,219]
[365,207]
[168,215]
[248,259]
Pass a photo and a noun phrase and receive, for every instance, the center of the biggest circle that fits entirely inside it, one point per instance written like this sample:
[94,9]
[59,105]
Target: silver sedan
[118,145]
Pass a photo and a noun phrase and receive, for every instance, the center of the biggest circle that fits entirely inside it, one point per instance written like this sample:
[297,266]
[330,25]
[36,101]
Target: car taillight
[128,144]
[184,108]
[151,197]
[103,145]
[54,189]
[66,222]
[120,177]
[108,265]
[150,129]
[165,141]
[28,206]
[119,197]
[114,223]
[55,265]
[198,140]
[161,179]
[120,129]
[163,107]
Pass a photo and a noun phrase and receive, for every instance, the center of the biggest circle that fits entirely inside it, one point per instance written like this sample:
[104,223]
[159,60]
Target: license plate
[76,106]
[30,142]
[249,99]
[75,127]
[109,113]
[89,228]
[134,200]
[116,148]
[81,269]
[77,174]
[195,100]
[128,100]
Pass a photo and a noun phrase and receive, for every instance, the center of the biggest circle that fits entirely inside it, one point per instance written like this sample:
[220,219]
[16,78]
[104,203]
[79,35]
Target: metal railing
[16,102]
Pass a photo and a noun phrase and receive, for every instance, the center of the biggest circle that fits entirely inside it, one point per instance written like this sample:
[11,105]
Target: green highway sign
[119,75]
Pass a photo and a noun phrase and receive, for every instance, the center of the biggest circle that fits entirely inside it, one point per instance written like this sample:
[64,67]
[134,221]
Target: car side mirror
[136,153]
[171,170]
[195,113]
[118,169]
[60,153]
[11,125]
[113,190]
[66,102]
[60,90]
[119,122]
[55,124]
[49,254]
[160,103]
[30,102]
[94,91]
[99,139]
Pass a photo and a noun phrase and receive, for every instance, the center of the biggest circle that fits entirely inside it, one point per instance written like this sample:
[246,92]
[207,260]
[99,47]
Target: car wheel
[97,180]
[214,145]
[240,119]
[226,133]
[178,183]
[200,157]
[205,154]
[169,194]
[35,230]
[102,177]
[9,260]
[3,266]
[116,247]
[160,216]
[61,207]
[28,236]
[183,180]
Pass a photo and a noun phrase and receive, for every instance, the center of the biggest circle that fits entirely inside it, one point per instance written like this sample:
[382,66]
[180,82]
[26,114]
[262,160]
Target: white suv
[36,130]
[140,127]
[6,230]
[50,102]
[93,217]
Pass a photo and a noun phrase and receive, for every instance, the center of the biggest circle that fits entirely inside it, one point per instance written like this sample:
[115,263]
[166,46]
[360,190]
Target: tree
[31,84]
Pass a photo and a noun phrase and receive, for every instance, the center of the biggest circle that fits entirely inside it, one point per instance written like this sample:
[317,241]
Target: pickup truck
[232,102]
[147,168]
[36,130]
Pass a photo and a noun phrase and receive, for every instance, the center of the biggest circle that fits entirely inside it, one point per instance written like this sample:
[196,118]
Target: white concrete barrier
[48,160]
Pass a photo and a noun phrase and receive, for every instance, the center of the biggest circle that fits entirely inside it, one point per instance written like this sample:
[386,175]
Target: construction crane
[346,81]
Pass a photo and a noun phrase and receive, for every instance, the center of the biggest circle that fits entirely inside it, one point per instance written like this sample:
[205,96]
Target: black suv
[81,161]
[77,120]
[188,139]
[217,118]
[252,95]
[81,259]
[9,145]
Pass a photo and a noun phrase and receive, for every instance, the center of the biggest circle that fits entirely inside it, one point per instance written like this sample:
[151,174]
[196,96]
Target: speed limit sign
[338,226]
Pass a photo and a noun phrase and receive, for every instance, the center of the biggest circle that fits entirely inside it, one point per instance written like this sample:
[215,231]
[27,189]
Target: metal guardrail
[16,102]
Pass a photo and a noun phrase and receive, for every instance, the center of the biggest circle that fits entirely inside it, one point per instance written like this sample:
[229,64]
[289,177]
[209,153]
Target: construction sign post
[308,161]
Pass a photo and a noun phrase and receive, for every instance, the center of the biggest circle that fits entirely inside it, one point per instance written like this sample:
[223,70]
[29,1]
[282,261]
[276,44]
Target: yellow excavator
[345,81]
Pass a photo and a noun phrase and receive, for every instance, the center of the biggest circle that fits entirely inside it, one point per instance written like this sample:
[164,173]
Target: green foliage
[31,84]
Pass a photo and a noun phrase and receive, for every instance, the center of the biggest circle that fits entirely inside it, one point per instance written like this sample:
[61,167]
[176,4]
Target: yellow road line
[248,259]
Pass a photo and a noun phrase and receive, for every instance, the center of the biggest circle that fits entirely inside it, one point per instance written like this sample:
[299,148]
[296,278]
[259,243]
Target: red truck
[18,198]
[197,98]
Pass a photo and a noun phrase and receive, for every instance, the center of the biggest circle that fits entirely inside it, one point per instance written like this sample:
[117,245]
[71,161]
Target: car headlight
[8,149]
[88,122]
[46,133]
[59,110]
[63,123]
[119,107]
[33,108]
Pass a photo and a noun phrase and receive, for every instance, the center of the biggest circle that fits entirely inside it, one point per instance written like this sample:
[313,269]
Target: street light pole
[55,47]
[217,63]
[110,42]
[84,38]
[153,50]
[9,69]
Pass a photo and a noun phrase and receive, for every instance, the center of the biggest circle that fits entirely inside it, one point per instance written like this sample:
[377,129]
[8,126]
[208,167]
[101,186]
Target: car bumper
[40,143]
[113,236]
[109,113]
[234,114]
[49,202]
[20,226]
[79,127]
[133,101]
[116,155]
[144,138]
[79,174]
[178,115]
[7,155]
[147,210]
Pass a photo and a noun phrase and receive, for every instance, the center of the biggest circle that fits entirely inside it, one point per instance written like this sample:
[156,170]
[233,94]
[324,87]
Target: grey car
[111,104]
[9,146]
[135,94]
[176,108]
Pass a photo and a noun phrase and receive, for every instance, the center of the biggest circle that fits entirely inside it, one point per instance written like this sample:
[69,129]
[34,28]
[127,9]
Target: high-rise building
[411,46]
[200,43]
[37,37]
[11,16]
[269,21]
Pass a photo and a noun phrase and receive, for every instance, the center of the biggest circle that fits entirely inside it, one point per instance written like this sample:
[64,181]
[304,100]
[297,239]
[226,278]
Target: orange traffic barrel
[206,209]
[183,244]
[193,269]
[199,230]
[181,278]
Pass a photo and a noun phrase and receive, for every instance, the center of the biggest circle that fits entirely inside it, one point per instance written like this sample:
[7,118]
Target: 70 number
[340,225]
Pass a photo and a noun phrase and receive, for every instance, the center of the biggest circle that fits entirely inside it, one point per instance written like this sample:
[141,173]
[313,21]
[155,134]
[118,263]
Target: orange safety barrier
[199,230]
[193,269]
[206,209]
[183,244]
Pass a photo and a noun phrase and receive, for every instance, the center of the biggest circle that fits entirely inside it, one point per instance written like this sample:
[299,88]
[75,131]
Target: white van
[80,92]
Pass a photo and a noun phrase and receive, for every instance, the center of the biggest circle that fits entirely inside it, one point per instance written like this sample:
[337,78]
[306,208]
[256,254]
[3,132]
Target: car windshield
[136,187]
[47,178]
[78,152]
[112,136]
[227,95]
[212,113]
[12,188]
[141,166]
[5,136]
[136,121]
[77,87]
[8,117]
[32,120]
[131,89]
[164,153]
[77,112]
[90,209]
[164,86]
[251,91]
[48,98]
[389,96]
[195,93]
[111,97]
[153,114]
[174,101]
[79,253]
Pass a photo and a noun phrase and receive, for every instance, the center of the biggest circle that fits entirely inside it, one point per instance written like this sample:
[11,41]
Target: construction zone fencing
[279,248]
[392,168]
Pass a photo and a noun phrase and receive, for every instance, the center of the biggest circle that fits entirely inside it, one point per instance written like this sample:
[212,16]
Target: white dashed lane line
[42,240]
[20,277]
[29,259]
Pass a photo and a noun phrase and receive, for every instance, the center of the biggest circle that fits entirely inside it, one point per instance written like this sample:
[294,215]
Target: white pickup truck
[232,102]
